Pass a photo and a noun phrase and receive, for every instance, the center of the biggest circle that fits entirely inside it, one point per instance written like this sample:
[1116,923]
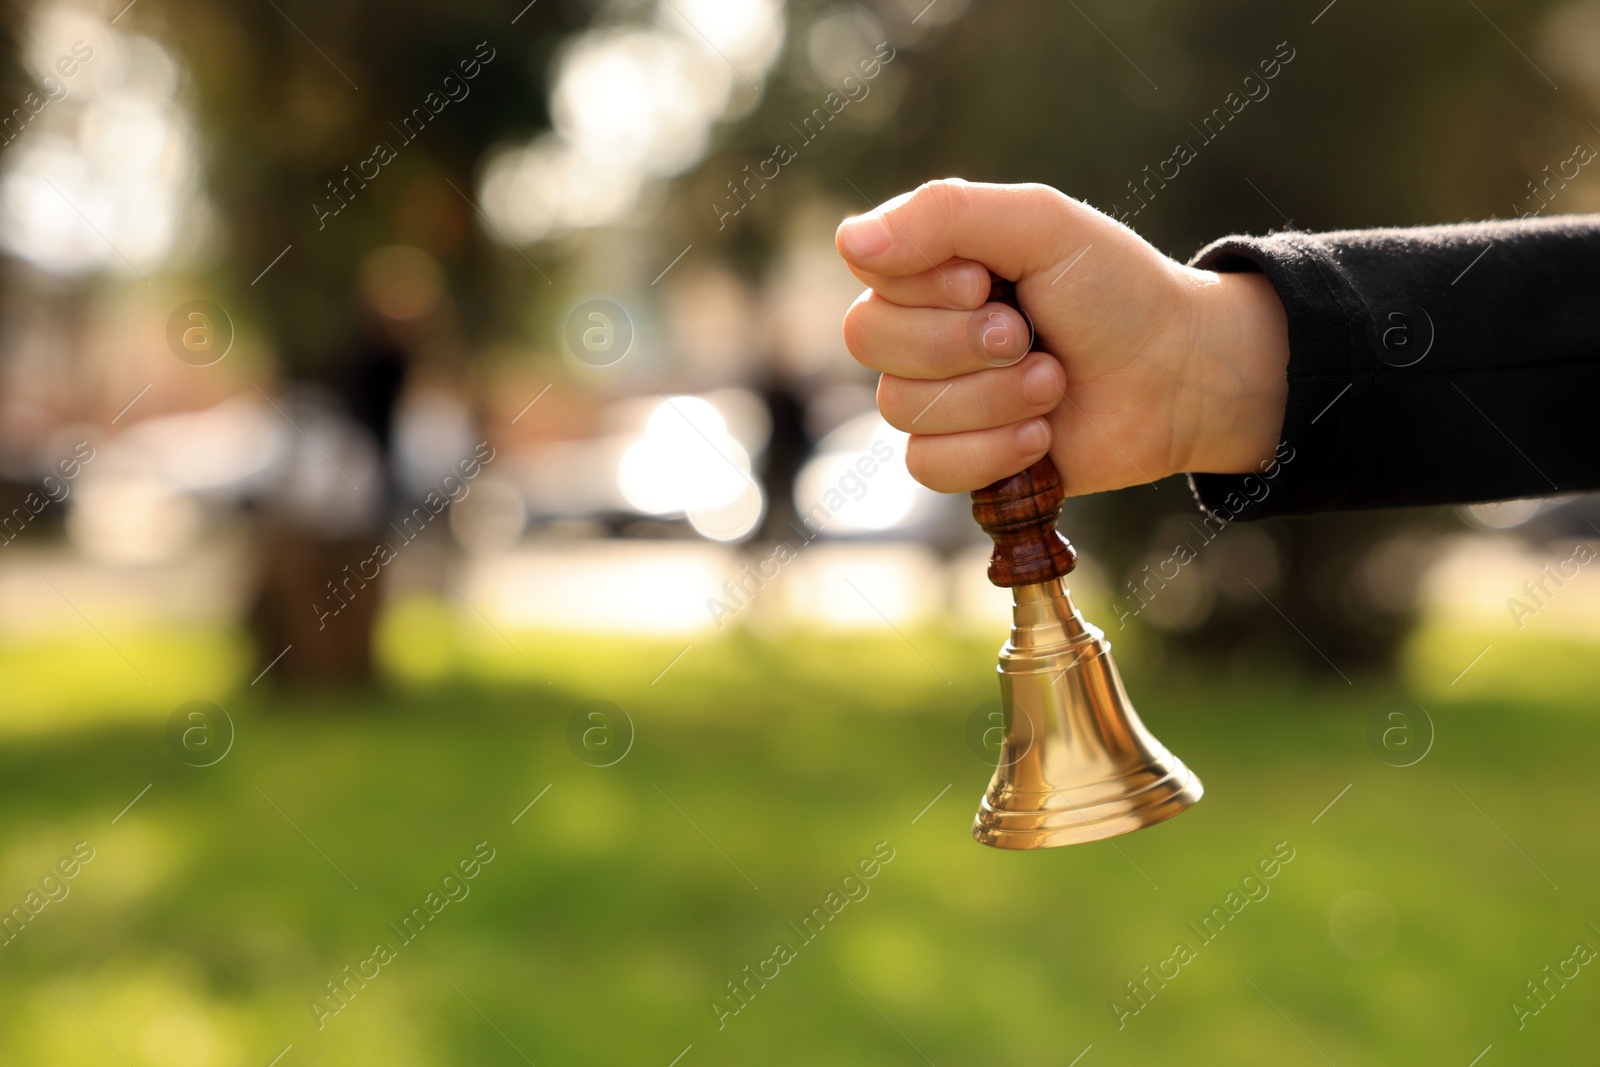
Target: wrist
[1238,363]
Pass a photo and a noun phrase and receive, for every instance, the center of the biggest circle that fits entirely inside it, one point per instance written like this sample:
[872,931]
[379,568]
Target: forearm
[1439,365]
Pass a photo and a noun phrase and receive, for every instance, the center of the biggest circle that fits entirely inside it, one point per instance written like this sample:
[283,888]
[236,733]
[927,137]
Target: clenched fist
[1142,367]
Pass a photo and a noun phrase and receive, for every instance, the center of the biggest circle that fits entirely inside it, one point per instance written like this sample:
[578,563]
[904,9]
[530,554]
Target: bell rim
[1071,827]
[1163,770]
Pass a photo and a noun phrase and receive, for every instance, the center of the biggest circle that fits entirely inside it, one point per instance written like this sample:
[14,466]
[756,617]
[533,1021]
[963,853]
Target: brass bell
[1076,765]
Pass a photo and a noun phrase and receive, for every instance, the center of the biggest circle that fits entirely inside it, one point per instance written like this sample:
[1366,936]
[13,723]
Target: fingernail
[865,235]
[971,284]
[1039,383]
[998,336]
[1033,437]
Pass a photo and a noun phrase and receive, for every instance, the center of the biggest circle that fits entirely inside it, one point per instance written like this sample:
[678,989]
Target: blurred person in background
[369,449]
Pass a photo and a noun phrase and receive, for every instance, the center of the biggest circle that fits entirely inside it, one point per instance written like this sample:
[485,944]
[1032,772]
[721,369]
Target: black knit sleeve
[1450,364]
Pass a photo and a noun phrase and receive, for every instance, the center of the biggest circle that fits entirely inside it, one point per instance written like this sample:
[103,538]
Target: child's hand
[1144,367]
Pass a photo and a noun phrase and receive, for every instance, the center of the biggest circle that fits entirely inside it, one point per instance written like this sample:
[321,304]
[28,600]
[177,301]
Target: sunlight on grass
[425,643]
[1447,662]
[131,675]
[622,903]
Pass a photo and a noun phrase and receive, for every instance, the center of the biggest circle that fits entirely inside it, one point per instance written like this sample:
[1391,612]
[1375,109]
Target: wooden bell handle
[1020,512]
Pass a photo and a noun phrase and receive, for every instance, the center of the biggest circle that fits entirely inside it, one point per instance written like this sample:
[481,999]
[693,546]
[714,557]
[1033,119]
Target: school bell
[1076,763]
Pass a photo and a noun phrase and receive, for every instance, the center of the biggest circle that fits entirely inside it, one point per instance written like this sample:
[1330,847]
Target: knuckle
[1052,205]
[857,327]
[1046,197]
[892,402]
[943,197]
[921,462]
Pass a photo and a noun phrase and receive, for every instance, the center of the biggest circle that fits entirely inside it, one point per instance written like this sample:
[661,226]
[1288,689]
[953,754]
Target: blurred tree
[297,99]
[1391,114]
[333,131]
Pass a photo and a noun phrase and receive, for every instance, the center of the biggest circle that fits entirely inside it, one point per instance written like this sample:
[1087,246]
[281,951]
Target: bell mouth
[1014,819]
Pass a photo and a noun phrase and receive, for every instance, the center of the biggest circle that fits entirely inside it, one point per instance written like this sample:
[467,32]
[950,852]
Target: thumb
[1014,230]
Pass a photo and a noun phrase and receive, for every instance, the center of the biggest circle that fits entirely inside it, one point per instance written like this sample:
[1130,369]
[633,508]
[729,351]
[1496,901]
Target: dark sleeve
[1451,364]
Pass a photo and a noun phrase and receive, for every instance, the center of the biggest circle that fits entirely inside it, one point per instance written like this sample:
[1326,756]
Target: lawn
[763,772]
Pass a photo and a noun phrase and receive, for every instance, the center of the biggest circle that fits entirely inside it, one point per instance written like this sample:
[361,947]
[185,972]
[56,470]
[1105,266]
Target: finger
[932,342]
[1004,227]
[999,396]
[962,462]
[956,284]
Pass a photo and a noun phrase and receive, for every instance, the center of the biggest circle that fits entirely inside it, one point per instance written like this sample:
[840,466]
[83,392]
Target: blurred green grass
[618,906]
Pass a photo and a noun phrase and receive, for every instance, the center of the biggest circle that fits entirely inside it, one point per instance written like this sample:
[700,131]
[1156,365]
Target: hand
[1144,367]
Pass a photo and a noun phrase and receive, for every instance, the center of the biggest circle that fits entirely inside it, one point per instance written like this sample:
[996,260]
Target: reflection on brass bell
[1077,764]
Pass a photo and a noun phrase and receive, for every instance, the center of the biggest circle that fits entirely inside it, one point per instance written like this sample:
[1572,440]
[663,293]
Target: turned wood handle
[1020,512]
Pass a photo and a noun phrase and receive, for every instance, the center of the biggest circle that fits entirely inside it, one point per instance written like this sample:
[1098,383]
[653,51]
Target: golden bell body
[1077,764]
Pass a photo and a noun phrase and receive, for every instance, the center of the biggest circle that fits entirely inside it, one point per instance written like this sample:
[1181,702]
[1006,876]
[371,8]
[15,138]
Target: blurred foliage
[1387,115]
[285,120]
[608,921]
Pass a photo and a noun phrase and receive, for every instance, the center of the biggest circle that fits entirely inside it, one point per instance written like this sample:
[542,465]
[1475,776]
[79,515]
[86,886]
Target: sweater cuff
[1330,376]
